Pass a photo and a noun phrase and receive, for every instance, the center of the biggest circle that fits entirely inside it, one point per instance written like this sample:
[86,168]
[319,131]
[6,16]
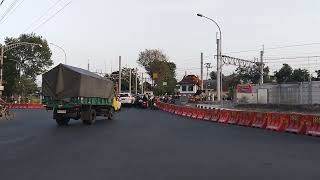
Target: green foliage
[299,75]
[318,73]
[284,74]
[213,75]
[287,74]
[155,61]
[125,76]
[252,74]
[10,76]
[147,86]
[34,60]
[25,86]
[30,61]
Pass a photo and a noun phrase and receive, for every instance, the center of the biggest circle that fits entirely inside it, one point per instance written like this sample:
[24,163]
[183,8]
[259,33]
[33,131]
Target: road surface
[150,145]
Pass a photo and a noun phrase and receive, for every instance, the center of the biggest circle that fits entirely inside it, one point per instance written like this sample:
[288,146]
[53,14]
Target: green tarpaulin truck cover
[64,82]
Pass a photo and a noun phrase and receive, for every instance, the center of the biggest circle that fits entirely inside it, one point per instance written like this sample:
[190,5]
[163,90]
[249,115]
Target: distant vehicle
[144,104]
[74,93]
[126,99]
[117,103]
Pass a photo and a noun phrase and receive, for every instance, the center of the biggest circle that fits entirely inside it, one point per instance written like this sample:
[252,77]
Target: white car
[126,98]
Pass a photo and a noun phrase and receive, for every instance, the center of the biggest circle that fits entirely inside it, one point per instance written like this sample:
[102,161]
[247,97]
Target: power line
[276,47]
[52,16]
[12,11]
[42,15]
[1,2]
[9,9]
[287,58]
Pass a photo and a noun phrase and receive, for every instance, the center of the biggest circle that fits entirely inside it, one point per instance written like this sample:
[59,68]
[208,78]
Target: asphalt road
[150,145]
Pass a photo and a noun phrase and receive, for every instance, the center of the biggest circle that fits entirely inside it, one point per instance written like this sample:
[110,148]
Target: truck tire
[89,117]
[111,113]
[62,121]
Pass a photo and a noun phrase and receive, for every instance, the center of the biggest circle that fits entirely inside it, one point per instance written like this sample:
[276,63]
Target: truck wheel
[62,121]
[92,117]
[110,114]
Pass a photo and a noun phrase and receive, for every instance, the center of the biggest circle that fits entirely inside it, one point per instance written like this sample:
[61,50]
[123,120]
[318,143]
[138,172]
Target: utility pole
[142,83]
[1,69]
[201,71]
[130,80]
[88,64]
[208,66]
[261,65]
[219,69]
[136,80]
[119,74]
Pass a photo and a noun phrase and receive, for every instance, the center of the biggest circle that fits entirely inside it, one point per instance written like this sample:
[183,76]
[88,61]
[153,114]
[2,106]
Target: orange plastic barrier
[296,123]
[189,111]
[260,121]
[312,125]
[276,121]
[201,113]
[195,112]
[224,116]
[26,106]
[184,111]
[172,108]
[215,115]
[234,117]
[246,118]
[208,114]
[178,110]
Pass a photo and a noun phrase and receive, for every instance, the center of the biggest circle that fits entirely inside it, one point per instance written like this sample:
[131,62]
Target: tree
[125,76]
[157,63]
[318,73]
[213,75]
[299,75]
[284,74]
[317,78]
[252,74]
[147,86]
[25,86]
[30,60]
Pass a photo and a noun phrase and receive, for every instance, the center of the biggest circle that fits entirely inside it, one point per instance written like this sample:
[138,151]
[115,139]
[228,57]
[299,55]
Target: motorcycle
[145,104]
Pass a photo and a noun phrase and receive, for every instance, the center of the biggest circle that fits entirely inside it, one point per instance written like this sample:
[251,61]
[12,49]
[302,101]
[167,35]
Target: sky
[99,31]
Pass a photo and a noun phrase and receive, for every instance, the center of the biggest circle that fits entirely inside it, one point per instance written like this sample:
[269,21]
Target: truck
[75,93]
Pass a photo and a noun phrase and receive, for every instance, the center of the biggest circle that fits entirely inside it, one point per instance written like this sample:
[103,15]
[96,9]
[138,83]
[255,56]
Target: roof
[189,79]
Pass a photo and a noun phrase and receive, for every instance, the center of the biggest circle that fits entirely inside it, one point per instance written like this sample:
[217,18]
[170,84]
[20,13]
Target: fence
[290,94]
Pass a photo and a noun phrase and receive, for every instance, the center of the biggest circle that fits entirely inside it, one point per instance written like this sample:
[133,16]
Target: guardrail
[281,122]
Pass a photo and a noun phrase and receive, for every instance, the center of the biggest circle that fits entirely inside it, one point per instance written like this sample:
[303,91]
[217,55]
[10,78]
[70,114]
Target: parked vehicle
[74,93]
[126,99]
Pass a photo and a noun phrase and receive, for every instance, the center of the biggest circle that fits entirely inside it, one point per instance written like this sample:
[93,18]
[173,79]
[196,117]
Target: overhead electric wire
[52,16]
[9,9]
[15,8]
[42,15]
[276,47]
[287,58]
[1,2]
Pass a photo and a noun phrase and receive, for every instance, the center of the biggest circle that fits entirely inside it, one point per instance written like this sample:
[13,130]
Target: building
[189,85]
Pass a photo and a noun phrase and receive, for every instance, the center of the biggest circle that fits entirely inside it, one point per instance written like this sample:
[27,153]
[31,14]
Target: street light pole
[219,58]
[65,54]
